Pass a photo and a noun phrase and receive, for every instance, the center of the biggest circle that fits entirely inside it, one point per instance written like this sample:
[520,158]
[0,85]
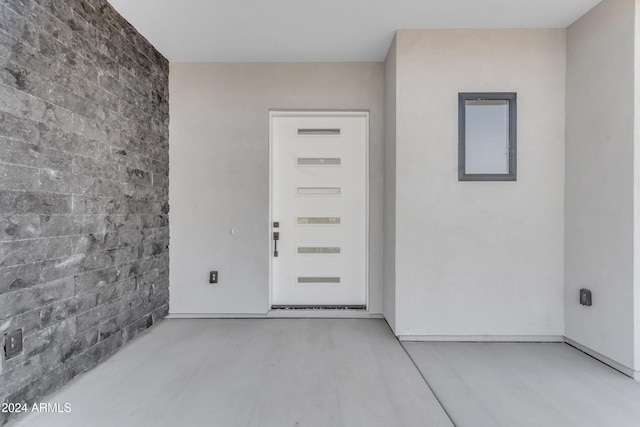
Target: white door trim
[318,113]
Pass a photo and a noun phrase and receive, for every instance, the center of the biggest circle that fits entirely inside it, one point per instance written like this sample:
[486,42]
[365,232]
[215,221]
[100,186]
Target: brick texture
[84,166]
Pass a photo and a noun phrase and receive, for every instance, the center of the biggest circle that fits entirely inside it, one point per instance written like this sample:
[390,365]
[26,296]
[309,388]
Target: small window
[330,220]
[318,161]
[318,131]
[318,191]
[487,136]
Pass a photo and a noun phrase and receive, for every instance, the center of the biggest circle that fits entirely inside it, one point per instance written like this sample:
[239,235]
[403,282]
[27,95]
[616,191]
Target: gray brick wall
[83,189]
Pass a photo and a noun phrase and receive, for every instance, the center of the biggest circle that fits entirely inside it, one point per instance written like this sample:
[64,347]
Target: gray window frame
[511,97]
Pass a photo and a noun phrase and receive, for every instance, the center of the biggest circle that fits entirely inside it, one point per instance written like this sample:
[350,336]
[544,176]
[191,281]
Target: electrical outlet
[13,343]
[585,297]
[213,277]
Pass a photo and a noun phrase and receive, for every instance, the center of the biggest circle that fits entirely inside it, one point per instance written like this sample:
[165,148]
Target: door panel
[319,199]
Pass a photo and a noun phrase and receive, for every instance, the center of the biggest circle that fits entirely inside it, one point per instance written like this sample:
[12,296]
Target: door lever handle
[276,237]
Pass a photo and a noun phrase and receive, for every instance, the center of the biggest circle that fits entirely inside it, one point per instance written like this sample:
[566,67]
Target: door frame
[283,112]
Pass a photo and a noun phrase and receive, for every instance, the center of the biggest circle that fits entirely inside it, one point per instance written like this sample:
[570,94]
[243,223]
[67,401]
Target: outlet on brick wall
[13,344]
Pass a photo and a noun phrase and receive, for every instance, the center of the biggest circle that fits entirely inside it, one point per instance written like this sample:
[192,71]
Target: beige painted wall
[219,172]
[479,258]
[389,291]
[600,180]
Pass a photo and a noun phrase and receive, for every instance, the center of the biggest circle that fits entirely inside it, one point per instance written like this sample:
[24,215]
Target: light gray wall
[600,179]
[389,291]
[219,172]
[636,181]
[479,258]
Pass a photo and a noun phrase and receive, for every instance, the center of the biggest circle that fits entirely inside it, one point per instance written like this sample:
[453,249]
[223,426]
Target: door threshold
[319,313]
[318,307]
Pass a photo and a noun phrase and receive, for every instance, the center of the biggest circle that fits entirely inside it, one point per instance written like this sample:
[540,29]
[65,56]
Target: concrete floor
[273,372]
[338,372]
[525,384]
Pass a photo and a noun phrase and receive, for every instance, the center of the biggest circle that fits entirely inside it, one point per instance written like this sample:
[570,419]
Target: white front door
[319,208]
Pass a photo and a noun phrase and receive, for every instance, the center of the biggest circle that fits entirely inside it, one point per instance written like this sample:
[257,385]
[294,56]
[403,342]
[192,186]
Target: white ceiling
[321,30]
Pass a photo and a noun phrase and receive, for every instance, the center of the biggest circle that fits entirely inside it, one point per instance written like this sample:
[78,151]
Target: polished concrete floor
[338,372]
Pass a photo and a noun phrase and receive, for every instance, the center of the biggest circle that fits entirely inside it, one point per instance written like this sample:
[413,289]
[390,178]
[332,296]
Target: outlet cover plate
[13,343]
[213,277]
